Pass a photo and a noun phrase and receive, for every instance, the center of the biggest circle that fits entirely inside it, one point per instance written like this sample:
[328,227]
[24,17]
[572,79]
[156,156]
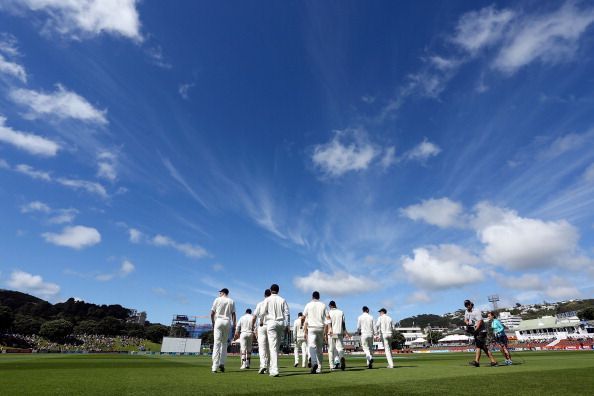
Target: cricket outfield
[535,373]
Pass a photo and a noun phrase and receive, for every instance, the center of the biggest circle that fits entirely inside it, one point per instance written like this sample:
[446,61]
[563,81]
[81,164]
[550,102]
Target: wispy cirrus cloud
[107,163]
[188,249]
[9,51]
[60,104]
[83,18]
[33,144]
[126,268]
[33,173]
[55,216]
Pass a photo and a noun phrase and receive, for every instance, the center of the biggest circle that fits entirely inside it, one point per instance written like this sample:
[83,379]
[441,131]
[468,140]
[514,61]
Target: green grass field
[536,373]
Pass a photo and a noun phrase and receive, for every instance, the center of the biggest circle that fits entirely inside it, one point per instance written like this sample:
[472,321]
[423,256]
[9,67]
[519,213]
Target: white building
[549,327]
[510,321]
[410,333]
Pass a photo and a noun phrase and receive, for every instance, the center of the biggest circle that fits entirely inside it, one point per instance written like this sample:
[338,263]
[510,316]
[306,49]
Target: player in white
[384,328]
[278,319]
[245,332]
[365,329]
[299,337]
[222,316]
[315,314]
[336,331]
[261,333]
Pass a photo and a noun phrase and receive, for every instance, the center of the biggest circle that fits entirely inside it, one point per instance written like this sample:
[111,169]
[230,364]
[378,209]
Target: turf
[535,373]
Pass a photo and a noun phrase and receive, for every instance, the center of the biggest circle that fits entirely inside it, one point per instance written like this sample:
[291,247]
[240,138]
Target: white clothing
[276,311]
[263,346]
[221,337]
[334,343]
[301,345]
[315,342]
[298,331]
[244,324]
[245,344]
[388,349]
[223,307]
[275,330]
[315,313]
[336,322]
[365,324]
[367,344]
[384,326]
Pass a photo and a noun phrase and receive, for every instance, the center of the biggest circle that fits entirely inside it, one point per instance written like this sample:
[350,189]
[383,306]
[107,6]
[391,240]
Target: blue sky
[396,155]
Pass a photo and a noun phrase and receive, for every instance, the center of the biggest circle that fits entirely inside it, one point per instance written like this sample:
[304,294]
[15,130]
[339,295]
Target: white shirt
[473,317]
[244,325]
[276,308]
[315,312]
[384,326]
[337,321]
[223,307]
[365,324]
[298,332]
[259,313]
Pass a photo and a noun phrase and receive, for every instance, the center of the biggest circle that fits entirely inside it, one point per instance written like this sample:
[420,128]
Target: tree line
[24,314]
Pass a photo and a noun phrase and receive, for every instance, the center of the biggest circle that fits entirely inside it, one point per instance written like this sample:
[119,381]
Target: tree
[156,332]
[26,325]
[110,326]
[56,330]
[586,314]
[87,327]
[6,317]
[135,330]
[398,340]
[178,331]
[434,337]
[207,337]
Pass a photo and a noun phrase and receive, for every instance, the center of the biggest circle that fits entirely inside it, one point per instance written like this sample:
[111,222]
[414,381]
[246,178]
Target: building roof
[546,322]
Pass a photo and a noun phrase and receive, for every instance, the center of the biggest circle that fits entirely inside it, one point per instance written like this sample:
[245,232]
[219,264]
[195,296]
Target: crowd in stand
[83,343]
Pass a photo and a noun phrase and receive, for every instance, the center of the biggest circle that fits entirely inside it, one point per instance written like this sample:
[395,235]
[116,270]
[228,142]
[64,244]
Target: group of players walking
[316,325]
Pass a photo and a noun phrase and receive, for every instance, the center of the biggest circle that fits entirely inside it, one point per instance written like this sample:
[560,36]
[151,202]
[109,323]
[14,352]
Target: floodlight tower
[493,300]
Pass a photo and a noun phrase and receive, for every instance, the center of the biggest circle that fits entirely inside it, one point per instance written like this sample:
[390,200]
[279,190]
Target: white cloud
[442,267]
[135,235]
[443,63]
[522,282]
[90,187]
[548,38]
[423,151]
[127,268]
[477,29]
[8,45]
[184,90]
[155,53]
[61,104]
[107,165]
[520,243]
[75,237]
[217,267]
[31,143]
[559,289]
[348,151]
[389,157]
[33,284]
[566,143]
[159,291]
[87,18]
[368,99]
[192,251]
[335,284]
[13,69]
[33,173]
[35,206]
[441,212]
[62,216]
[179,178]
[589,174]
[419,297]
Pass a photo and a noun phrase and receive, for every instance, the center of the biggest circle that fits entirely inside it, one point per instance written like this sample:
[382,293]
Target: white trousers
[245,344]
[334,343]
[275,331]
[263,346]
[315,342]
[300,344]
[221,337]
[388,348]
[367,344]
